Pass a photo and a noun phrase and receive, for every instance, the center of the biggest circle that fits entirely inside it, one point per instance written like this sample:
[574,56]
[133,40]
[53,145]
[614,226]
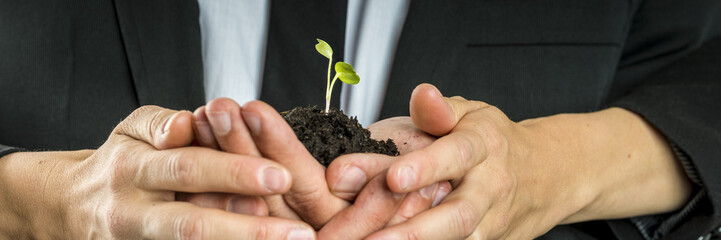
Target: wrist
[620,165]
[33,193]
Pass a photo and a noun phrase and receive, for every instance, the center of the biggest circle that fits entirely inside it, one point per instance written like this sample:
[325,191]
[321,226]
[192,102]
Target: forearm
[31,193]
[624,165]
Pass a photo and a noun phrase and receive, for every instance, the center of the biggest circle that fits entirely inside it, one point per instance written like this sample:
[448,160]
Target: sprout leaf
[323,48]
[341,67]
[349,77]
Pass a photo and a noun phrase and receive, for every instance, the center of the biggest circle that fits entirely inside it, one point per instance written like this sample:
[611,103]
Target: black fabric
[529,58]
[295,74]
[580,231]
[677,101]
[68,74]
[5,150]
[162,43]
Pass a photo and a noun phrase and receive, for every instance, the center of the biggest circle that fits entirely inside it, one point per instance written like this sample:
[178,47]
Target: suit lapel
[162,44]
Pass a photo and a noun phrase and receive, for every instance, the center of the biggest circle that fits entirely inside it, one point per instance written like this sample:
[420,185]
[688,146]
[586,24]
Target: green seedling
[343,71]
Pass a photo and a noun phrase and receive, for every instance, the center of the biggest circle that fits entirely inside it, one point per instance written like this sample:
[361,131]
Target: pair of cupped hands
[226,171]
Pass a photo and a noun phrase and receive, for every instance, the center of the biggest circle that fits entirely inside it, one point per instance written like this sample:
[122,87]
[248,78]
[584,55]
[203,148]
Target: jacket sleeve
[5,150]
[683,101]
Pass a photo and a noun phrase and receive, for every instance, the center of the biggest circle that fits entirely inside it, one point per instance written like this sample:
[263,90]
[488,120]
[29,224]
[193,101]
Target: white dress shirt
[234,36]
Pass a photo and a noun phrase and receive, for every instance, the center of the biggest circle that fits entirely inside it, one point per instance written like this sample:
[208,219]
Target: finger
[278,208]
[444,188]
[162,128]
[419,201]
[434,114]
[456,218]
[228,127]
[414,203]
[197,169]
[178,220]
[203,132]
[238,140]
[347,174]
[276,140]
[374,207]
[247,205]
[449,157]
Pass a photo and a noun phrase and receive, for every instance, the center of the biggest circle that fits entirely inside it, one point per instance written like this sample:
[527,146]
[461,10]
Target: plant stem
[328,93]
[328,86]
[327,105]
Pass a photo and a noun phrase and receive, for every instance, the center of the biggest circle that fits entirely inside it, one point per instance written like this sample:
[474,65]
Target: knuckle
[493,109]
[506,183]
[122,166]
[306,201]
[191,226]
[465,218]
[375,217]
[464,147]
[146,108]
[155,124]
[407,211]
[237,176]
[412,235]
[494,139]
[183,169]
[118,224]
[261,230]
[309,202]
[459,98]
[134,117]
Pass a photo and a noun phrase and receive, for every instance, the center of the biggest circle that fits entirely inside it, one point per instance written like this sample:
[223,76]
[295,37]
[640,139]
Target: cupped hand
[518,180]
[127,188]
[257,129]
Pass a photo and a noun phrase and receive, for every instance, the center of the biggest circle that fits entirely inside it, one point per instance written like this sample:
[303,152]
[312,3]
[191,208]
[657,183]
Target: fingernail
[220,122]
[427,192]
[301,234]
[242,206]
[406,177]
[252,120]
[440,195]
[274,179]
[351,180]
[205,134]
[399,196]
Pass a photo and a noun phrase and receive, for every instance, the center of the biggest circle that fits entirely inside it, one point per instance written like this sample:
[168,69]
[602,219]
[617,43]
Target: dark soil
[327,136]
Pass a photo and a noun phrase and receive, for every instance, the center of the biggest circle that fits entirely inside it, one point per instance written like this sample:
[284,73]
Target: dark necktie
[295,74]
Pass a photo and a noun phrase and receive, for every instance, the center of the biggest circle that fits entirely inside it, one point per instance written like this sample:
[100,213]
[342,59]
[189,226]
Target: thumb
[435,114]
[163,128]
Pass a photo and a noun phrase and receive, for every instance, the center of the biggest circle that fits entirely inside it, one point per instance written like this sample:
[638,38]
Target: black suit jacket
[71,70]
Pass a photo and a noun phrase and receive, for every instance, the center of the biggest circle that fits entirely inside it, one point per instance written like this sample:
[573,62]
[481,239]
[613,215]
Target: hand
[518,180]
[348,174]
[127,188]
[258,130]
[404,133]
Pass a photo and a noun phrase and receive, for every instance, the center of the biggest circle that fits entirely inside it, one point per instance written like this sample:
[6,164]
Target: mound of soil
[327,136]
